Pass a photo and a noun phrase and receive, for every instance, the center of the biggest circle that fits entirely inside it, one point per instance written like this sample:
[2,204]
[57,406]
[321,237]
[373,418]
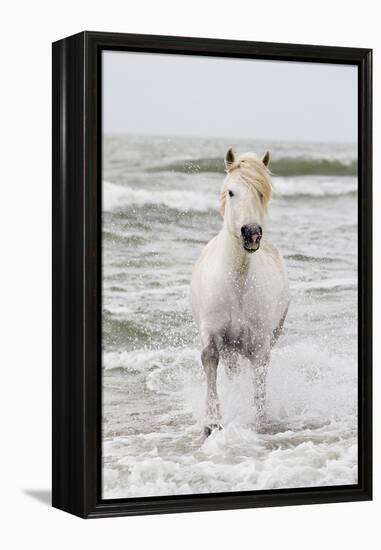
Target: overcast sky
[203,96]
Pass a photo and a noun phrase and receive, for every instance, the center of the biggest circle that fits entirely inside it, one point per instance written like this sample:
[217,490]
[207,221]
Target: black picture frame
[77,167]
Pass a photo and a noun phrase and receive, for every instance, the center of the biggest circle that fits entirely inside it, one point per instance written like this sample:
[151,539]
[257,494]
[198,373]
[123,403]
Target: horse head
[244,197]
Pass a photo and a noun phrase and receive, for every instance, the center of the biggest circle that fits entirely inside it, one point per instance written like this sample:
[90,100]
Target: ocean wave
[119,331]
[307,258]
[117,197]
[113,235]
[287,166]
[146,360]
[318,187]
[328,285]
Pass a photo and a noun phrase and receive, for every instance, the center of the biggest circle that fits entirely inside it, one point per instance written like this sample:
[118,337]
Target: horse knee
[210,355]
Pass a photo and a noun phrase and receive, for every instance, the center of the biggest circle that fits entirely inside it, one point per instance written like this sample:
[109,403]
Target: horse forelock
[254,174]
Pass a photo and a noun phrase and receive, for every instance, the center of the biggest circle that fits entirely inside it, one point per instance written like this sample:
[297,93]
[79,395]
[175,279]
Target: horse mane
[253,173]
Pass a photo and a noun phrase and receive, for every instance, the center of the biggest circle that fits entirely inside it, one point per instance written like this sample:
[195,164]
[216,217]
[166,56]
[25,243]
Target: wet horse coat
[239,288]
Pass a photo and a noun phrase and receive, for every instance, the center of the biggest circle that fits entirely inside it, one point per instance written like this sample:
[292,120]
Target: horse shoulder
[207,250]
[276,276]
[207,286]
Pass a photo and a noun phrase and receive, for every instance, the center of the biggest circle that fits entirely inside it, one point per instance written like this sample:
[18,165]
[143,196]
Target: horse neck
[236,259]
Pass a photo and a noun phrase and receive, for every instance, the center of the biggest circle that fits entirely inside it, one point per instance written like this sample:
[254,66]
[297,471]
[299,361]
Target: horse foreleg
[260,373]
[260,363]
[231,361]
[210,358]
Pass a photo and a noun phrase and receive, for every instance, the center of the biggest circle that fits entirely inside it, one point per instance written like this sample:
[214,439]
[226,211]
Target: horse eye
[231,194]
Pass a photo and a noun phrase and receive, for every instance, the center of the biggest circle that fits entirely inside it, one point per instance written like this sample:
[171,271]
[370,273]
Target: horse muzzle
[251,236]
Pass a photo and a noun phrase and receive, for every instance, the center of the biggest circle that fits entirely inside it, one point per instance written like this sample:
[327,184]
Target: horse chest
[247,310]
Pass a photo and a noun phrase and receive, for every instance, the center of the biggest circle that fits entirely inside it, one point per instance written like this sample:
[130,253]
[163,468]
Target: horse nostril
[256,237]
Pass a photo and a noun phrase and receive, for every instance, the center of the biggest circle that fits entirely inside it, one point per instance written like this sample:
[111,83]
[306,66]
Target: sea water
[160,208]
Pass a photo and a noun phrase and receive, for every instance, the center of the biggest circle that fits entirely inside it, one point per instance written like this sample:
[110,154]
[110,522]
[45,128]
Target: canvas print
[229,275]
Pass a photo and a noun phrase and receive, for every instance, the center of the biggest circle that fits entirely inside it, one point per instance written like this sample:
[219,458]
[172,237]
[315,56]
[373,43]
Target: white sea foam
[234,459]
[314,186]
[117,197]
[311,439]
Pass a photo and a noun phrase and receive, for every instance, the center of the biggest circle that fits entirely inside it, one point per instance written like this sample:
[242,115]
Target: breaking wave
[117,197]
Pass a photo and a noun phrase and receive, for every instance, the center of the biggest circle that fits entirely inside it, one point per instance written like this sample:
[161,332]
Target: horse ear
[229,158]
[266,158]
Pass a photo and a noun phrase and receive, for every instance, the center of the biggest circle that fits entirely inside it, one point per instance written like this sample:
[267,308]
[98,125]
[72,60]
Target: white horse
[239,288]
